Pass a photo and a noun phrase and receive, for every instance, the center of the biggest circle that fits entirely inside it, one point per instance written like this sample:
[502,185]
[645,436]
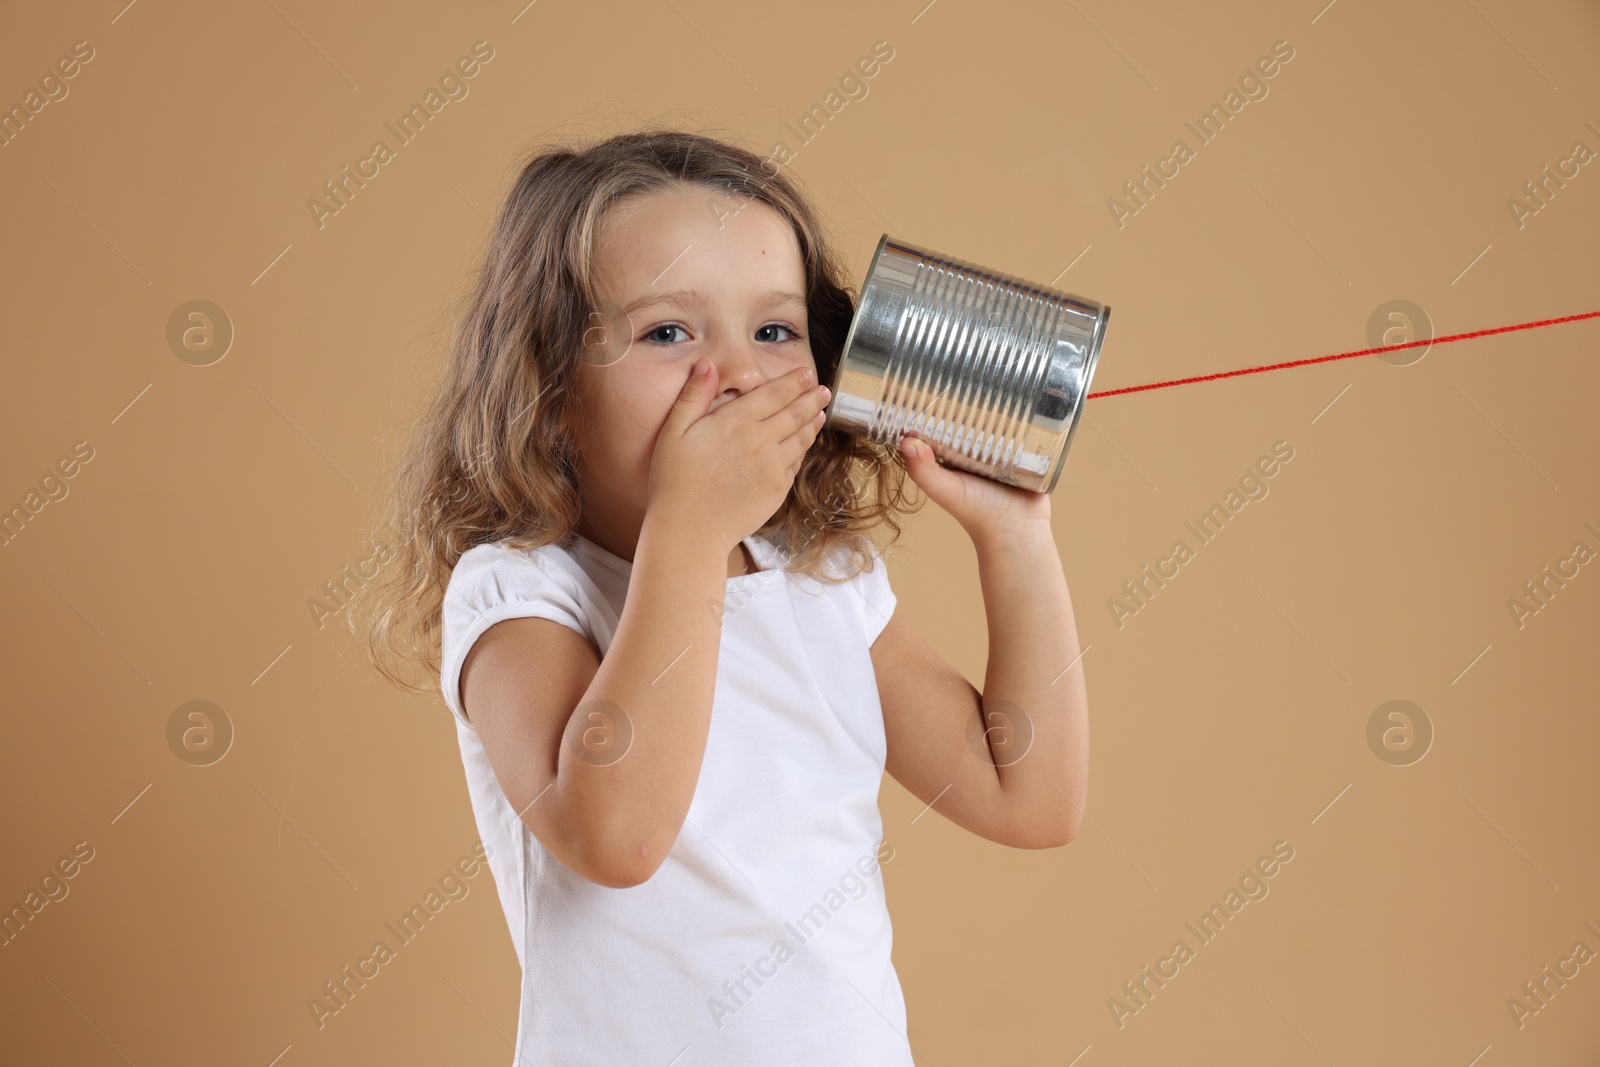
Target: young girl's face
[681,273]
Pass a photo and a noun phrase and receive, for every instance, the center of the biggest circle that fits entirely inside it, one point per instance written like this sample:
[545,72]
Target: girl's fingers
[772,397]
[801,439]
[803,409]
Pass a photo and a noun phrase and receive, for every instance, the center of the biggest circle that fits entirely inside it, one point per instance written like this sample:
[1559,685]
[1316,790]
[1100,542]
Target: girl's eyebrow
[691,298]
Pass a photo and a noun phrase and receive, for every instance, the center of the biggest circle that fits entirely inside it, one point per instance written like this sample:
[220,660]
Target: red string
[1346,355]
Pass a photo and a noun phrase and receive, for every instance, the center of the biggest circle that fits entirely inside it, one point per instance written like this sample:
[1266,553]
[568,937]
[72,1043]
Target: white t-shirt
[764,937]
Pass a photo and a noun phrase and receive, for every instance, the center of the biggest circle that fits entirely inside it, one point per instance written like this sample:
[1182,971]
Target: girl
[677,671]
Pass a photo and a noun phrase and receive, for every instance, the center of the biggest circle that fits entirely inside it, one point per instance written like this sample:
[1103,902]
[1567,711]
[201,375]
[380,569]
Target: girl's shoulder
[508,557]
[490,577]
[494,582]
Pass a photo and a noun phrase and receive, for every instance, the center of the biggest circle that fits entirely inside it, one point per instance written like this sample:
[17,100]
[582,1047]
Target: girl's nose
[738,370]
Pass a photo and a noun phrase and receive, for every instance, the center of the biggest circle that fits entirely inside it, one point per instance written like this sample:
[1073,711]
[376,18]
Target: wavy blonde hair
[492,458]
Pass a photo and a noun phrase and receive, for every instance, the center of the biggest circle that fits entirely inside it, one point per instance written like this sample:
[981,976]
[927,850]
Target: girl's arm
[601,758]
[1011,763]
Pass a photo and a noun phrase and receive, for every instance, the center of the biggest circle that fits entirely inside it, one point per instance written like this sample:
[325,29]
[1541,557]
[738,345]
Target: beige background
[1230,714]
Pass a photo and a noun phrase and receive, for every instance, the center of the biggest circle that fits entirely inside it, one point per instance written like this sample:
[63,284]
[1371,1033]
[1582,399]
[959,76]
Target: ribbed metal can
[988,368]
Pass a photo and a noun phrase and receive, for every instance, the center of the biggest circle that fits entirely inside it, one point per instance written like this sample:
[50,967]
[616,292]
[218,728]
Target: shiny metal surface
[989,369]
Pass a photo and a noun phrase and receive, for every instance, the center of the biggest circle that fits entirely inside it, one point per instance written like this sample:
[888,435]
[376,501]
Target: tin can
[991,370]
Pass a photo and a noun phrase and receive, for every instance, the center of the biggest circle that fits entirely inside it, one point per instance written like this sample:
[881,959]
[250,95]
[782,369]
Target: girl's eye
[662,335]
[794,335]
[652,335]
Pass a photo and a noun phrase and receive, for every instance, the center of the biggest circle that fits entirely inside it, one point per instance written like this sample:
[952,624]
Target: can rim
[850,334]
[1095,343]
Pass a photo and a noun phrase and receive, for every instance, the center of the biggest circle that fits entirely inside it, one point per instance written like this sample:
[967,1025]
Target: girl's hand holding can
[990,511]
[728,471]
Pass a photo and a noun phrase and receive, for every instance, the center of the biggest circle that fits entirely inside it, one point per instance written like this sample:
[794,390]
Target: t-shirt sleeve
[491,583]
[878,599]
